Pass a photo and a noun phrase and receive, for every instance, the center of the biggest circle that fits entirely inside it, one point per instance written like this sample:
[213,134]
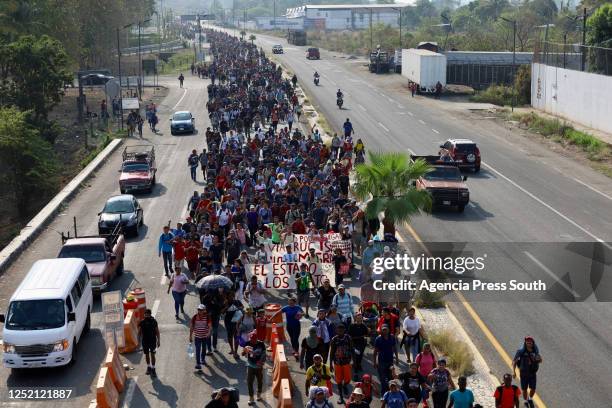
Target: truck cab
[138,169]
[445,183]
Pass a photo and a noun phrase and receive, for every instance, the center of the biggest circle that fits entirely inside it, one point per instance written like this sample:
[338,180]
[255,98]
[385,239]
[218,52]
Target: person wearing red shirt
[178,245]
[192,252]
[507,394]
[389,319]
[260,325]
[221,182]
[298,226]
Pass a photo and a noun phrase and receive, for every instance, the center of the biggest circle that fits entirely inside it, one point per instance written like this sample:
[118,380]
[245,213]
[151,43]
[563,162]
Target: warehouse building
[345,16]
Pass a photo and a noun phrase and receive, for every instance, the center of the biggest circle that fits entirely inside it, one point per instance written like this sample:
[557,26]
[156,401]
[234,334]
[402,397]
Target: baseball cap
[341,286]
[201,307]
[358,391]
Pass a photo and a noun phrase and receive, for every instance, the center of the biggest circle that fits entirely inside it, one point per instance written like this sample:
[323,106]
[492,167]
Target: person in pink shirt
[427,362]
[178,284]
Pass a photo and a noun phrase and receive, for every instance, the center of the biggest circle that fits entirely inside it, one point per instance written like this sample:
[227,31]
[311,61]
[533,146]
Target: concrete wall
[578,96]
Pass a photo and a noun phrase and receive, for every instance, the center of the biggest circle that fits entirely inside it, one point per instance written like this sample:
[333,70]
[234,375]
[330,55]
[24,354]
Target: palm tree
[387,182]
[252,38]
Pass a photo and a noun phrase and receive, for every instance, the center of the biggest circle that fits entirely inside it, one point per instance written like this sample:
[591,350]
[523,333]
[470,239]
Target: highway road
[524,193]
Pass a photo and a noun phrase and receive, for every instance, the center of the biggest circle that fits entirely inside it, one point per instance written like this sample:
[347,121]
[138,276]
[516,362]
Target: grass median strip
[458,354]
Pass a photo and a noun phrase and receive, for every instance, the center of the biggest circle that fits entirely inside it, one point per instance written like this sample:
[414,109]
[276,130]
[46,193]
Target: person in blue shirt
[293,314]
[384,351]
[462,397]
[348,128]
[165,249]
[394,398]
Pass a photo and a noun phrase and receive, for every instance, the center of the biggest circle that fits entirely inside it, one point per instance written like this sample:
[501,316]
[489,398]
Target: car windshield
[135,167]
[87,253]
[182,116]
[118,207]
[444,173]
[36,314]
[466,148]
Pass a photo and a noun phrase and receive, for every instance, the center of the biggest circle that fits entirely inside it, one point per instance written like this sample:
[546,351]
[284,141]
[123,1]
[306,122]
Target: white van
[47,314]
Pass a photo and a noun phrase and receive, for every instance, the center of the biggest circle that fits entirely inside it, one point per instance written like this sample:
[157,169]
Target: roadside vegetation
[179,62]
[459,357]
[429,300]
[502,95]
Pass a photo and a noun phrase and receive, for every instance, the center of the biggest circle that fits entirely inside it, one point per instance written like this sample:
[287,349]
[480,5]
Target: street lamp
[140,79]
[513,22]
[399,9]
[119,63]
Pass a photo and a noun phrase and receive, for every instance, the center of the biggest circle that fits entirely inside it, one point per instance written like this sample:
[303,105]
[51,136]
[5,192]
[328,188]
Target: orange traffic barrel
[271,310]
[139,295]
[129,303]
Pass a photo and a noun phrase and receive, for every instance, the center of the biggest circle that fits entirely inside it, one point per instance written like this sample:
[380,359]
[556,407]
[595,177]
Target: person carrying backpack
[507,394]
[320,399]
[528,359]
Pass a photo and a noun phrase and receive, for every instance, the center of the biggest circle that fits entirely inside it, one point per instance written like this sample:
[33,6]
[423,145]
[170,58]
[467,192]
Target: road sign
[130,104]
[112,309]
[112,88]
[149,66]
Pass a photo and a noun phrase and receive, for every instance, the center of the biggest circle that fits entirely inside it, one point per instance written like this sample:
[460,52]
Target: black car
[121,208]
[277,49]
[182,122]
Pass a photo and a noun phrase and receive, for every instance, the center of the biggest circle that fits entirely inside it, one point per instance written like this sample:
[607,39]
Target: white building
[282,23]
[345,16]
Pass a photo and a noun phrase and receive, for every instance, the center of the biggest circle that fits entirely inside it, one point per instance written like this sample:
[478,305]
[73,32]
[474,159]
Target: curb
[44,216]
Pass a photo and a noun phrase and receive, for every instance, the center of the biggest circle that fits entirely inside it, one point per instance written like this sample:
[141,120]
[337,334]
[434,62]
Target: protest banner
[301,243]
[281,275]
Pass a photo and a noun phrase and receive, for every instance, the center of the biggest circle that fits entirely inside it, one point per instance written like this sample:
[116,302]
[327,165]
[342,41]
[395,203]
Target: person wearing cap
[341,355]
[385,348]
[462,397]
[318,375]
[395,397]
[199,330]
[528,360]
[255,352]
[319,399]
[165,248]
[148,332]
[441,381]
[357,399]
[344,302]
[325,294]
[390,319]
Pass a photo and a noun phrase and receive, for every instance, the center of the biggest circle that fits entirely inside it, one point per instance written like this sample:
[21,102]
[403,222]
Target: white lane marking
[180,100]
[399,105]
[400,113]
[155,307]
[421,121]
[551,274]
[129,395]
[391,99]
[383,126]
[410,113]
[435,131]
[559,213]
[163,280]
[362,108]
[592,188]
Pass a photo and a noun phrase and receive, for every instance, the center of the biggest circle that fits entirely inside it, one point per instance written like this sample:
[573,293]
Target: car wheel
[172,133]
[87,326]
[461,208]
[122,191]
[120,268]
[477,169]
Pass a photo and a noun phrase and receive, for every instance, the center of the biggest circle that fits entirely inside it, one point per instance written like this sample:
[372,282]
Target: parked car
[47,315]
[464,152]
[138,169]
[277,49]
[182,122]
[313,53]
[103,255]
[123,209]
[445,183]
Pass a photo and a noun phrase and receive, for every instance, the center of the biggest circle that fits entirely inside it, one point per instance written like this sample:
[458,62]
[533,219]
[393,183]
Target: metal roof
[487,57]
[355,6]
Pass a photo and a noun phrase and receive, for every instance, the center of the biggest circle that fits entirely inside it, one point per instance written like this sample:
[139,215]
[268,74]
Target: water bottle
[190,352]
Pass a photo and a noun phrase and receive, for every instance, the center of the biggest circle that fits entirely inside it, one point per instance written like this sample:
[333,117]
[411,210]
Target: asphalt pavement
[524,193]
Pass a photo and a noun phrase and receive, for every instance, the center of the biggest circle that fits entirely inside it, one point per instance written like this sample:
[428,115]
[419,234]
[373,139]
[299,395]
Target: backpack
[234,394]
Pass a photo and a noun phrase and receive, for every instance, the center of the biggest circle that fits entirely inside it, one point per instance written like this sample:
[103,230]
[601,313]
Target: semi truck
[424,68]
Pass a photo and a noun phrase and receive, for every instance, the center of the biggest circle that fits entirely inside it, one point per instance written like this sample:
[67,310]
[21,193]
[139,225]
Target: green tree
[28,166]
[599,33]
[387,183]
[33,72]
[252,38]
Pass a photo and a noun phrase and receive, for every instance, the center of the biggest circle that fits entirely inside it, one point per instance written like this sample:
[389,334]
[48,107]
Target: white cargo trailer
[425,68]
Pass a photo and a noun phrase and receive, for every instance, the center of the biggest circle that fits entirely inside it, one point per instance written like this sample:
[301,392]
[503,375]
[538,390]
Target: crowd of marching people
[264,179]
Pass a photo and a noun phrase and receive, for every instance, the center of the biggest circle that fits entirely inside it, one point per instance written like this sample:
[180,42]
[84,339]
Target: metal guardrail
[175,44]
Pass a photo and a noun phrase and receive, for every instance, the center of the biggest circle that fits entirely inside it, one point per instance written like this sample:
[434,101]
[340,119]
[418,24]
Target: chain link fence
[577,57]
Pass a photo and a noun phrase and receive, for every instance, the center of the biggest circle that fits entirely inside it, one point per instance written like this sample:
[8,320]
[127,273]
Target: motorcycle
[316,81]
[339,102]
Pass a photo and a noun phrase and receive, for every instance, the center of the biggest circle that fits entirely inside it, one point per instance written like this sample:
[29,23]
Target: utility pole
[139,63]
[400,28]
[583,60]
[274,21]
[120,89]
[514,65]
[199,36]
[371,43]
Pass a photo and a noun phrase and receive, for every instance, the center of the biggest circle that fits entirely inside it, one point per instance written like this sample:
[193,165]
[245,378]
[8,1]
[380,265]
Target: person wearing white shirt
[411,339]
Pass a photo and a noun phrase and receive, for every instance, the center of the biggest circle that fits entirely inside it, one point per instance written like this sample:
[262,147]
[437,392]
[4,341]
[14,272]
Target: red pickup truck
[103,255]
[138,169]
[444,182]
